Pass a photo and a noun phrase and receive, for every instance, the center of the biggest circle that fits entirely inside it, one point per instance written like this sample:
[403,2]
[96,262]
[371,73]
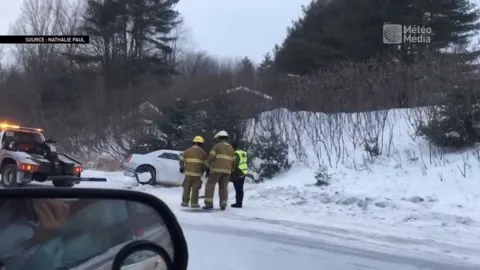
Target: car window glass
[170,156]
[23,137]
[95,228]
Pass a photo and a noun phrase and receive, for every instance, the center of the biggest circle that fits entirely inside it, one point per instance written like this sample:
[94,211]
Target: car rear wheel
[146,169]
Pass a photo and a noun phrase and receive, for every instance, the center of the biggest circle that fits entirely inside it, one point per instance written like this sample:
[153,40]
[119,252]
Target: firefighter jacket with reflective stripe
[220,158]
[194,161]
[241,160]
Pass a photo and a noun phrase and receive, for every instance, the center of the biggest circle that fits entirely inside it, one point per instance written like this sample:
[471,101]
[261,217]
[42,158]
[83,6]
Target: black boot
[236,205]
[207,207]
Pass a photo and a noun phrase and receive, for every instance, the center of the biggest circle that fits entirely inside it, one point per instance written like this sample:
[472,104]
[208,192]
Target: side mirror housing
[50,141]
[135,229]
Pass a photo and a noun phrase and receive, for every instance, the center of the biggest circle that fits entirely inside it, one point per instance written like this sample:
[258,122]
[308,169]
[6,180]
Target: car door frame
[169,163]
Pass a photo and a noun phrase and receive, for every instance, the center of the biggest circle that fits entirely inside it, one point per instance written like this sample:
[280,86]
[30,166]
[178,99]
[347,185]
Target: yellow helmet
[198,139]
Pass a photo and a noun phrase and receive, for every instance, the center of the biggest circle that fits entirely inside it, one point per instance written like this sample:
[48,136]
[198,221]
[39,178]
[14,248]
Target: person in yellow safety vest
[240,171]
[193,164]
[220,162]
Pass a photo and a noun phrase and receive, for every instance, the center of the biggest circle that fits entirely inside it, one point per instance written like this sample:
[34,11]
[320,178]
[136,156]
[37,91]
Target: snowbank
[394,198]
[410,181]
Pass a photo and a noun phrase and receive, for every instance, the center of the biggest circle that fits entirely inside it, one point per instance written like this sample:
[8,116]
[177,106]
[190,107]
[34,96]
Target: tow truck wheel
[9,175]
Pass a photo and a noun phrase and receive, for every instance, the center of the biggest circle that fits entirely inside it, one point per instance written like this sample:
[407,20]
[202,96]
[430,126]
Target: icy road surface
[215,247]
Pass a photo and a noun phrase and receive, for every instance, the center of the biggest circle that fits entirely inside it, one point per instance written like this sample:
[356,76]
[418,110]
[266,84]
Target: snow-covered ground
[410,200]
[289,205]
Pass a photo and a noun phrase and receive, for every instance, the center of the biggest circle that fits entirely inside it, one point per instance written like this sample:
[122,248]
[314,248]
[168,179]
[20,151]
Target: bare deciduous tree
[182,42]
[43,17]
[68,15]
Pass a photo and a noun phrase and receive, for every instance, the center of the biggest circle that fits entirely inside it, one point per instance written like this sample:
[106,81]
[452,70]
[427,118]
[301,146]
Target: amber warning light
[10,126]
[9,39]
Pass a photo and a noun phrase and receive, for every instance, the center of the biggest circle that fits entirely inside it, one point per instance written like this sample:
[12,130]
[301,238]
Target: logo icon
[392,33]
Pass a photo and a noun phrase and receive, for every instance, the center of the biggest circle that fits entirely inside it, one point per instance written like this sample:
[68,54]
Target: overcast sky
[237,28]
[227,28]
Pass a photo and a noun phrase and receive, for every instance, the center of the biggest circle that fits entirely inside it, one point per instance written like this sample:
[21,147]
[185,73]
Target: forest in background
[138,82]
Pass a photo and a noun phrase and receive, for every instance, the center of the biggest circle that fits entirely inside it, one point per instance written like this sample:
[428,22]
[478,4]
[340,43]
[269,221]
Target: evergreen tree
[266,64]
[332,31]
[456,123]
[130,39]
[175,124]
[222,116]
[246,73]
[272,152]
[454,22]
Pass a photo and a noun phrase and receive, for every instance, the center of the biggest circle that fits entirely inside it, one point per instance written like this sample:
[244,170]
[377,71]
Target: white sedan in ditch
[158,167]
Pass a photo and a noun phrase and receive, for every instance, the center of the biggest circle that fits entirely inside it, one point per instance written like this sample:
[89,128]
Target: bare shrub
[367,88]
[463,169]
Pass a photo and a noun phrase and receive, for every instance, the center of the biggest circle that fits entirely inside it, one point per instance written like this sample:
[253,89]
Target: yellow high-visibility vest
[242,163]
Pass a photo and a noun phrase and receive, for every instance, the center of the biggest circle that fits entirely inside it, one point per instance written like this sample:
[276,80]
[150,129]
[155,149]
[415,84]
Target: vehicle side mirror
[50,141]
[113,229]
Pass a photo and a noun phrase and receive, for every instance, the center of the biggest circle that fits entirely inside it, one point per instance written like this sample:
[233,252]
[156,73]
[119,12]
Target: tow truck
[26,156]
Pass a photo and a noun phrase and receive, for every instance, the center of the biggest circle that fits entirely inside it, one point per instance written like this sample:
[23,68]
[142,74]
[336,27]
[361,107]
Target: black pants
[238,183]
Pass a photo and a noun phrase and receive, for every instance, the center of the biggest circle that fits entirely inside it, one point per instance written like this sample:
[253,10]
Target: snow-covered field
[411,199]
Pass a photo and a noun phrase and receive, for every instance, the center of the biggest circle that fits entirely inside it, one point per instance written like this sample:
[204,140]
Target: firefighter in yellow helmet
[220,162]
[193,165]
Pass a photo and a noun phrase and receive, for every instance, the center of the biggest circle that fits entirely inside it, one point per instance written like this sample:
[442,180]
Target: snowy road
[216,247]
[273,231]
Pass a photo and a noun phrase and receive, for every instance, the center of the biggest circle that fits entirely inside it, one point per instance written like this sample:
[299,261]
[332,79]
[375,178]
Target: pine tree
[175,125]
[130,38]
[221,116]
[266,64]
[456,123]
[349,30]
[273,154]
[246,73]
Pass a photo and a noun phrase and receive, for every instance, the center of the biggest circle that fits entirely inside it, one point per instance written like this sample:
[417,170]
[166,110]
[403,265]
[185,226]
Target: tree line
[332,60]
